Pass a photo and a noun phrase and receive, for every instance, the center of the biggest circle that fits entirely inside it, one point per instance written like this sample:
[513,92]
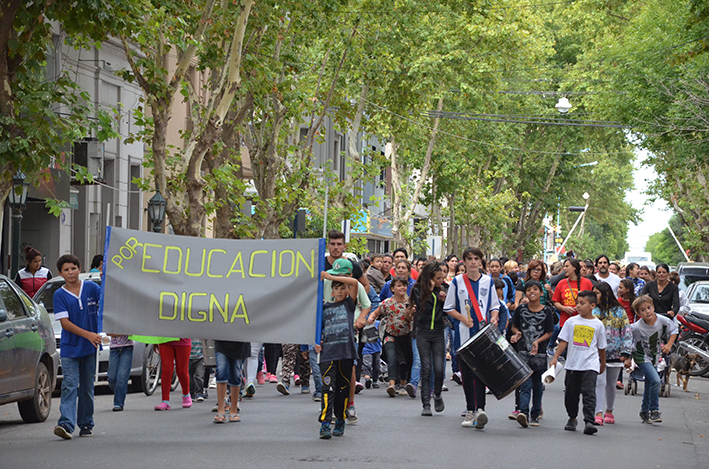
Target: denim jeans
[532,388]
[119,364]
[79,374]
[315,369]
[651,393]
[416,366]
[431,346]
[228,370]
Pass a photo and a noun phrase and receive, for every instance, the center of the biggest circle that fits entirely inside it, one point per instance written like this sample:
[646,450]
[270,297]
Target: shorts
[228,370]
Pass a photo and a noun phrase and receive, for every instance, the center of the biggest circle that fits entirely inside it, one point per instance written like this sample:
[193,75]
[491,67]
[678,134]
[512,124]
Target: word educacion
[177,260]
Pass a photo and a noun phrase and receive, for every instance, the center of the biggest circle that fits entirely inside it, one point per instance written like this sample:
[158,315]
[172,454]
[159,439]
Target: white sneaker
[469,420]
[480,419]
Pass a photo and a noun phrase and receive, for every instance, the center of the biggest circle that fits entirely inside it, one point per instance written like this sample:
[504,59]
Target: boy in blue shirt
[76,306]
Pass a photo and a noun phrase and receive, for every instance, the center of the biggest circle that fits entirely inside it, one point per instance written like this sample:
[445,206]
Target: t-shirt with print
[533,325]
[338,342]
[648,340]
[566,293]
[363,301]
[82,311]
[585,337]
[393,316]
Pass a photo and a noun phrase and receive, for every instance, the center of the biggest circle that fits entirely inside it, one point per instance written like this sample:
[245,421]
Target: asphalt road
[282,431]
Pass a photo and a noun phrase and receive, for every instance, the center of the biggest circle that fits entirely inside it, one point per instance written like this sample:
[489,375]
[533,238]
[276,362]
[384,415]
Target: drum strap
[473,299]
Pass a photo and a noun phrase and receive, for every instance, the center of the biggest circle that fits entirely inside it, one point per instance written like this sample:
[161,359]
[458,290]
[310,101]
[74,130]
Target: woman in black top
[664,294]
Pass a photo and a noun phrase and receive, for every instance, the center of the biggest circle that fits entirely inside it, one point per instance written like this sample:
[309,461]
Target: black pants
[336,376]
[432,350]
[473,387]
[196,371]
[358,365]
[580,383]
[271,352]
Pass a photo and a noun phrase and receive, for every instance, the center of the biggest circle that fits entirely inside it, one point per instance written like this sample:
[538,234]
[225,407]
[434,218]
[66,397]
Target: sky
[655,215]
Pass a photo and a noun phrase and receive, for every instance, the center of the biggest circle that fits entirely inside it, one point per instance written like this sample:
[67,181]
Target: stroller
[636,374]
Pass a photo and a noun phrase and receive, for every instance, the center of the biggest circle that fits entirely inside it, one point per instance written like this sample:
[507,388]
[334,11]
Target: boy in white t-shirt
[585,337]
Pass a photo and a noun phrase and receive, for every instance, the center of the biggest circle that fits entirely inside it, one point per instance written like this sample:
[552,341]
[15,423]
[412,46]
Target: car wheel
[37,409]
[151,370]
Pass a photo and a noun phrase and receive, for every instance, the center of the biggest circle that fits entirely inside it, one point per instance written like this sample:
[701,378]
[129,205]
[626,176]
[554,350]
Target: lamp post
[17,200]
[156,210]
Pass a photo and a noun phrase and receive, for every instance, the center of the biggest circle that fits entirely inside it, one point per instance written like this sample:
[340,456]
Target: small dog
[683,365]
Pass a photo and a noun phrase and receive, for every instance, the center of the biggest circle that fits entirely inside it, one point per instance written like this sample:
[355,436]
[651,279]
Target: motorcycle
[694,338]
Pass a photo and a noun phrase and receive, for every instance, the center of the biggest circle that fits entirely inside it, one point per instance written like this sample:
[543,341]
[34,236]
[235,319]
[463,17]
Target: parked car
[698,296]
[45,297]
[690,272]
[29,358]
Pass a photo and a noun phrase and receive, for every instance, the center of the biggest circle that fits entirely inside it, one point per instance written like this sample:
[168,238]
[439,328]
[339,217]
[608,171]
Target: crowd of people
[390,320]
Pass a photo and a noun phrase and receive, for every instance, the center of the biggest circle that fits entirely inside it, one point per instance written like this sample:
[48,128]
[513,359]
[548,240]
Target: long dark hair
[630,286]
[533,264]
[608,300]
[576,265]
[425,277]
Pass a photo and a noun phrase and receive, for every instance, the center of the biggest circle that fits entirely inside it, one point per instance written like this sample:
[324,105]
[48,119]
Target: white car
[45,296]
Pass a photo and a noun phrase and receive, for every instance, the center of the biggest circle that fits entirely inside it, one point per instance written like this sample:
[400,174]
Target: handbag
[369,334]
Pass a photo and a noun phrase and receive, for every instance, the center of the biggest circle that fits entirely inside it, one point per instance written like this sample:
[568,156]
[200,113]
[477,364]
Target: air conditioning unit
[88,152]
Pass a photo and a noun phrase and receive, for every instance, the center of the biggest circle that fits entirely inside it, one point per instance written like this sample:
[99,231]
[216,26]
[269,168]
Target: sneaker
[609,418]
[541,414]
[444,388]
[296,380]
[325,432]
[273,379]
[339,428]
[438,403]
[283,389]
[469,420]
[227,406]
[464,413]
[163,406]
[260,378]
[186,401]
[571,425]
[480,419]
[375,385]
[410,390]
[367,383]
[522,420]
[426,412]
[513,415]
[351,414]
[619,385]
[534,422]
[655,416]
[645,417]
[305,389]
[598,420]
[117,408]
[200,398]
[317,397]
[62,432]
[250,390]
[86,431]
[589,429]
[391,390]
[457,378]
[358,387]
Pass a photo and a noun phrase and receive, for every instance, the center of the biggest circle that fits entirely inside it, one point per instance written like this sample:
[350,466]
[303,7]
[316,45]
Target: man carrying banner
[473,295]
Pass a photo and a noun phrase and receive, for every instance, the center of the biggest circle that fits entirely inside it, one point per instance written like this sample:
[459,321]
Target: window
[12,302]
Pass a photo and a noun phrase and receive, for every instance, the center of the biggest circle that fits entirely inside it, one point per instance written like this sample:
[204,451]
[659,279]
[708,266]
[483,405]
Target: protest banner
[243,290]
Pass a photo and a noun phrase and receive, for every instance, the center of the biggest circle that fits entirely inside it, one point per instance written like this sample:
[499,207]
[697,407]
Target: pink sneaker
[598,420]
[163,406]
[296,380]
[608,418]
[186,401]
[273,379]
[260,379]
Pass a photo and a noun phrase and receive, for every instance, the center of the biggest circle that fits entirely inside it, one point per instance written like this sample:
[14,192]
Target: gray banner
[246,290]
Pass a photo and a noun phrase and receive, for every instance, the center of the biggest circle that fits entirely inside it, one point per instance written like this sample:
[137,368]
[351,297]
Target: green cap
[341,266]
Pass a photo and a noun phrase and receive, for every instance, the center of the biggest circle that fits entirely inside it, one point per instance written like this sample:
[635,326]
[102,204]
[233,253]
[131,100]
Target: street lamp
[17,200]
[156,210]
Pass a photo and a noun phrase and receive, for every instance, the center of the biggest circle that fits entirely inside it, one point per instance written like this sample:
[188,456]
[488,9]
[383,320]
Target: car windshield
[700,295]
[687,280]
[46,296]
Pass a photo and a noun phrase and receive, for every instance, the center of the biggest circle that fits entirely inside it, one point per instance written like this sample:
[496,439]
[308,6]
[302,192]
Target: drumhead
[481,332]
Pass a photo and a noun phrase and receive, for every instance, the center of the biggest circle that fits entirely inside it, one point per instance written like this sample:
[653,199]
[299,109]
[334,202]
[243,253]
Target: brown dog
[683,365]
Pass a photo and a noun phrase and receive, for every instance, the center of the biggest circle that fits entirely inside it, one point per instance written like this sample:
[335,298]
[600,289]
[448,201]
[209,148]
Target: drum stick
[467,308]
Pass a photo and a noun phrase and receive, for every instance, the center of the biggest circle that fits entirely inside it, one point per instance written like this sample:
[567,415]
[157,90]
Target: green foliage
[663,246]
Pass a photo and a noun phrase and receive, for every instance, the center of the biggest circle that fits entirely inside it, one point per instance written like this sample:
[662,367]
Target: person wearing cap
[337,347]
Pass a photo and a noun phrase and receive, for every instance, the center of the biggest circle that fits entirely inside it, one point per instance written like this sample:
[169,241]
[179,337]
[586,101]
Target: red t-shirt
[566,293]
[414,273]
[628,309]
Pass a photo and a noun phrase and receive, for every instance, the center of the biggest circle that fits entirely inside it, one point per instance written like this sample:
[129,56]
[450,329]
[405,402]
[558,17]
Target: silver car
[45,297]
[29,358]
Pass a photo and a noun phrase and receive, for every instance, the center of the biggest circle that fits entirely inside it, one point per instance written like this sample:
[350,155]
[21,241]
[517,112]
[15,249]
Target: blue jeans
[315,369]
[651,393]
[119,364]
[228,370]
[532,388]
[79,374]
[416,366]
